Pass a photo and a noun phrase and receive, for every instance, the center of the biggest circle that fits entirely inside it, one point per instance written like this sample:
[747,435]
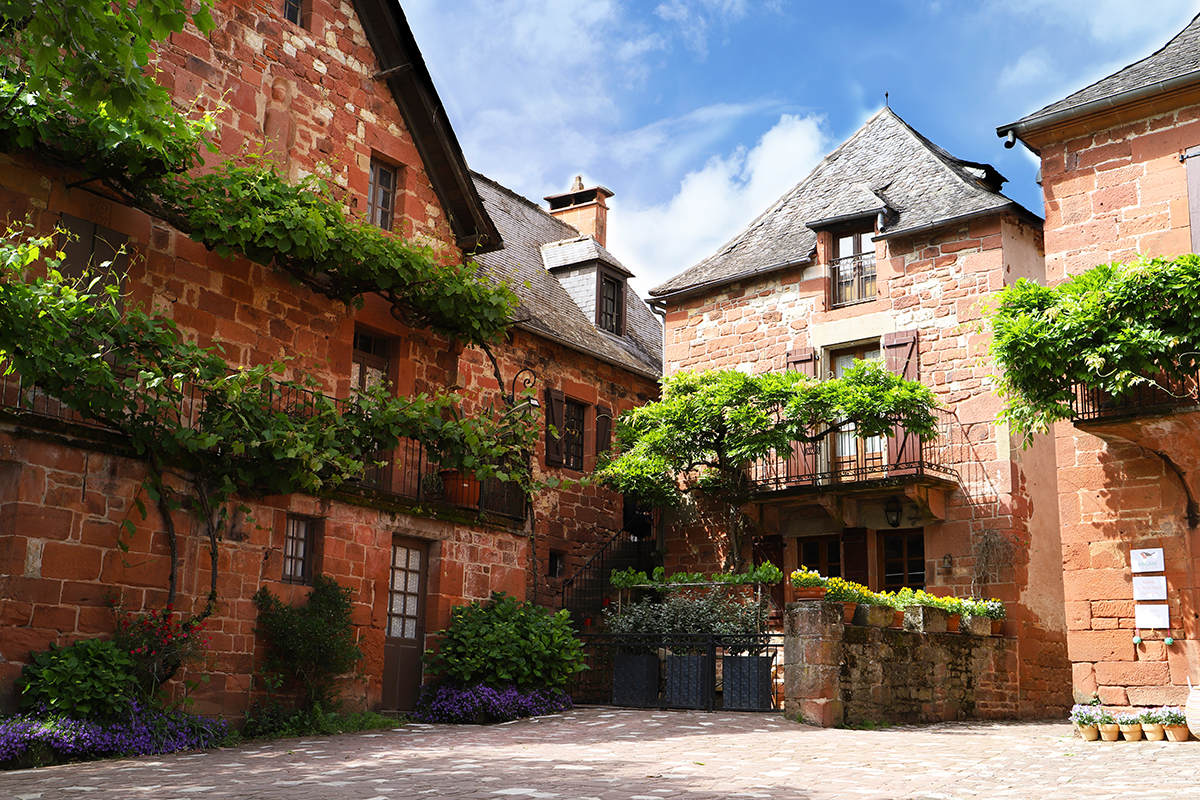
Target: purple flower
[455,703]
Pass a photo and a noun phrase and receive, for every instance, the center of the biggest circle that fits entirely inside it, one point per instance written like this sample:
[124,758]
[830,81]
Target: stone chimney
[584,209]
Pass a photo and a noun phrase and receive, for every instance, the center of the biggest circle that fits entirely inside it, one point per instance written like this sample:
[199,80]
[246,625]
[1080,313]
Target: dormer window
[852,270]
[610,303]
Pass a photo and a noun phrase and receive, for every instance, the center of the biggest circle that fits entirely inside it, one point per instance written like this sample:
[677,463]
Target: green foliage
[503,642]
[713,612]
[1111,328]
[806,577]
[90,679]
[158,644]
[628,578]
[272,721]
[709,425]
[310,646]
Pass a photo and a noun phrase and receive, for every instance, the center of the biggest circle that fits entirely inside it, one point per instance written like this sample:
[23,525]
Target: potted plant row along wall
[1095,722]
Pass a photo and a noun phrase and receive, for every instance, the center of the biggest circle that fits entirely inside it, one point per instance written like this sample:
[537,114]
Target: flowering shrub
[159,645]
[140,730]
[1085,715]
[458,704]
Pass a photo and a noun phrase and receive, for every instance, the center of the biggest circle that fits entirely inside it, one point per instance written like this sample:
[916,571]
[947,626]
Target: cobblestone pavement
[616,754]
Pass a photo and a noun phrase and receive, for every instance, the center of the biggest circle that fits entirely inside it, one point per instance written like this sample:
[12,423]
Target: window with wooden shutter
[901,358]
[604,426]
[93,250]
[556,406]
[1191,158]
[802,465]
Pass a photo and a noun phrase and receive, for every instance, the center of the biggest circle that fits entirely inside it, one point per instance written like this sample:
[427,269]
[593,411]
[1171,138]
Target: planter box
[747,683]
[689,681]
[925,619]
[635,680]
[977,626]
[874,616]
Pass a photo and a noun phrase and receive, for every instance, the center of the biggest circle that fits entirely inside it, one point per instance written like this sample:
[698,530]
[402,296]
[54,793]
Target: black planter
[689,681]
[635,680]
[747,683]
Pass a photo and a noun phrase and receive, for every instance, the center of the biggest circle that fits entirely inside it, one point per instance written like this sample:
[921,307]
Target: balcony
[852,280]
[408,474]
[1163,396]
[841,461]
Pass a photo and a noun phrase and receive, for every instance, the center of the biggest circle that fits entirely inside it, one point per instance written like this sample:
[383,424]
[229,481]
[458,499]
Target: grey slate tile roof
[1178,59]
[885,163]
[546,309]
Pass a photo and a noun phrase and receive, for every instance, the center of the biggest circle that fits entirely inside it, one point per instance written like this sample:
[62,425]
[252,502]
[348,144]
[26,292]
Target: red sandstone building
[341,86]
[1120,181]
[889,250]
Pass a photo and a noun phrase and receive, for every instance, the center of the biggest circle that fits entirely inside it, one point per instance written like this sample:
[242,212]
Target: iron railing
[853,279]
[408,471]
[702,670]
[819,465]
[584,593]
[1158,396]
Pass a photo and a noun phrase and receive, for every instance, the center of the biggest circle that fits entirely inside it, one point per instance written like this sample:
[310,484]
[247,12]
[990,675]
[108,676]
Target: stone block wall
[837,674]
[1114,195]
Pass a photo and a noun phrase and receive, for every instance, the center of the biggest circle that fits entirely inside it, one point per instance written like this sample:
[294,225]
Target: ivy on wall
[1111,328]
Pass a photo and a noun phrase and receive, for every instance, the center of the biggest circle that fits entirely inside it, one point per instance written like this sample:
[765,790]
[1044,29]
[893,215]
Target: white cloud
[715,202]
[1109,21]
[1031,69]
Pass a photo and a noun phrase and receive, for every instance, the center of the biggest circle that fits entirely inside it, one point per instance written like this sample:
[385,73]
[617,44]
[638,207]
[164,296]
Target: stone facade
[308,96]
[1116,178]
[990,528]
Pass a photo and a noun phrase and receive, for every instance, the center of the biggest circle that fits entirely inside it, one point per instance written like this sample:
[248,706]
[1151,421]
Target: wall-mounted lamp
[891,512]
[947,561]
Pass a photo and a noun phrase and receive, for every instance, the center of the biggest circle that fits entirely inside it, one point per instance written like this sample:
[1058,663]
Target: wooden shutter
[854,555]
[556,406]
[1192,160]
[604,426]
[802,465]
[901,358]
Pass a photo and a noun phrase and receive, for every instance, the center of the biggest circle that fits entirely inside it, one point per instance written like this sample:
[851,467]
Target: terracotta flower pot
[1177,733]
[898,618]
[1110,733]
[848,610]
[997,624]
[808,592]
[952,623]
[1132,733]
[1089,733]
[1154,731]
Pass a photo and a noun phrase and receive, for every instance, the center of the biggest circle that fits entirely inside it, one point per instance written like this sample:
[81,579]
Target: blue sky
[698,114]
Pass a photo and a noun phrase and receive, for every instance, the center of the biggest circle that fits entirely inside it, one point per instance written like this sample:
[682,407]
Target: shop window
[299,549]
[902,556]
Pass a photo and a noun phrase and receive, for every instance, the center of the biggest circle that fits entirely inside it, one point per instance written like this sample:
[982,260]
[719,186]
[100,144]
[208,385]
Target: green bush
[90,679]
[310,646]
[507,642]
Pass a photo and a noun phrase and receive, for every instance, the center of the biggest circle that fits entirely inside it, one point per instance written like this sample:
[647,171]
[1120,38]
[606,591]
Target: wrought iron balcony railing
[1160,396]
[408,472]
[841,459]
[853,279]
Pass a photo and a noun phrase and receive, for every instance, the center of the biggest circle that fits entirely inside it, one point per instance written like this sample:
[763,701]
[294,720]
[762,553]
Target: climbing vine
[219,433]
[1111,328]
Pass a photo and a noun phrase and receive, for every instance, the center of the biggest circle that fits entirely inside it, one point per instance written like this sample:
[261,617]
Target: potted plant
[848,593]
[874,610]
[995,612]
[1087,720]
[975,620]
[1130,724]
[1174,722]
[922,611]
[746,682]
[635,662]
[1110,731]
[1152,725]
[807,584]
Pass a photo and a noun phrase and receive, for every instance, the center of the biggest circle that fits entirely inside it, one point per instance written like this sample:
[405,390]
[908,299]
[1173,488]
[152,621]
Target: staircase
[585,593]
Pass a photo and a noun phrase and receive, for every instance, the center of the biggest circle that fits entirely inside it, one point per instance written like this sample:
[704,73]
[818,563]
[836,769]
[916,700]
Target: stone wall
[837,674]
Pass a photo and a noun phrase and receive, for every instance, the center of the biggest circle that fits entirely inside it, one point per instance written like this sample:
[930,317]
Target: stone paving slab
[618,754]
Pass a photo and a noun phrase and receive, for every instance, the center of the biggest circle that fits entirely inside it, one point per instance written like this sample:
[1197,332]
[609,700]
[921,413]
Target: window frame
[307,537]
[573,437]
[86,245]
[867,462]
[297,12]
[863,286]
[906,559]
[384,218]
[559,437]
[618,281]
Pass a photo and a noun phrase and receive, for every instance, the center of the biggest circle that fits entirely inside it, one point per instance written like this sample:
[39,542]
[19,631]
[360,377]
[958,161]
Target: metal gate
[703,671]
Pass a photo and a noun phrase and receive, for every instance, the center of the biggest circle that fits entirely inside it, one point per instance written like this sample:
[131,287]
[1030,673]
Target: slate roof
[546,309]
[1177,61]
[885,164]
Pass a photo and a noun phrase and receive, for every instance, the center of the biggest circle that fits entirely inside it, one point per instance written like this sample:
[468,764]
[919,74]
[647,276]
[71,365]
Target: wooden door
[404,638]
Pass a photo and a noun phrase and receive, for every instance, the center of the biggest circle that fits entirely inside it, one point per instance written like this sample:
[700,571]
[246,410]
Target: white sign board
[1146,560]
[1154,616]
[1150,587]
